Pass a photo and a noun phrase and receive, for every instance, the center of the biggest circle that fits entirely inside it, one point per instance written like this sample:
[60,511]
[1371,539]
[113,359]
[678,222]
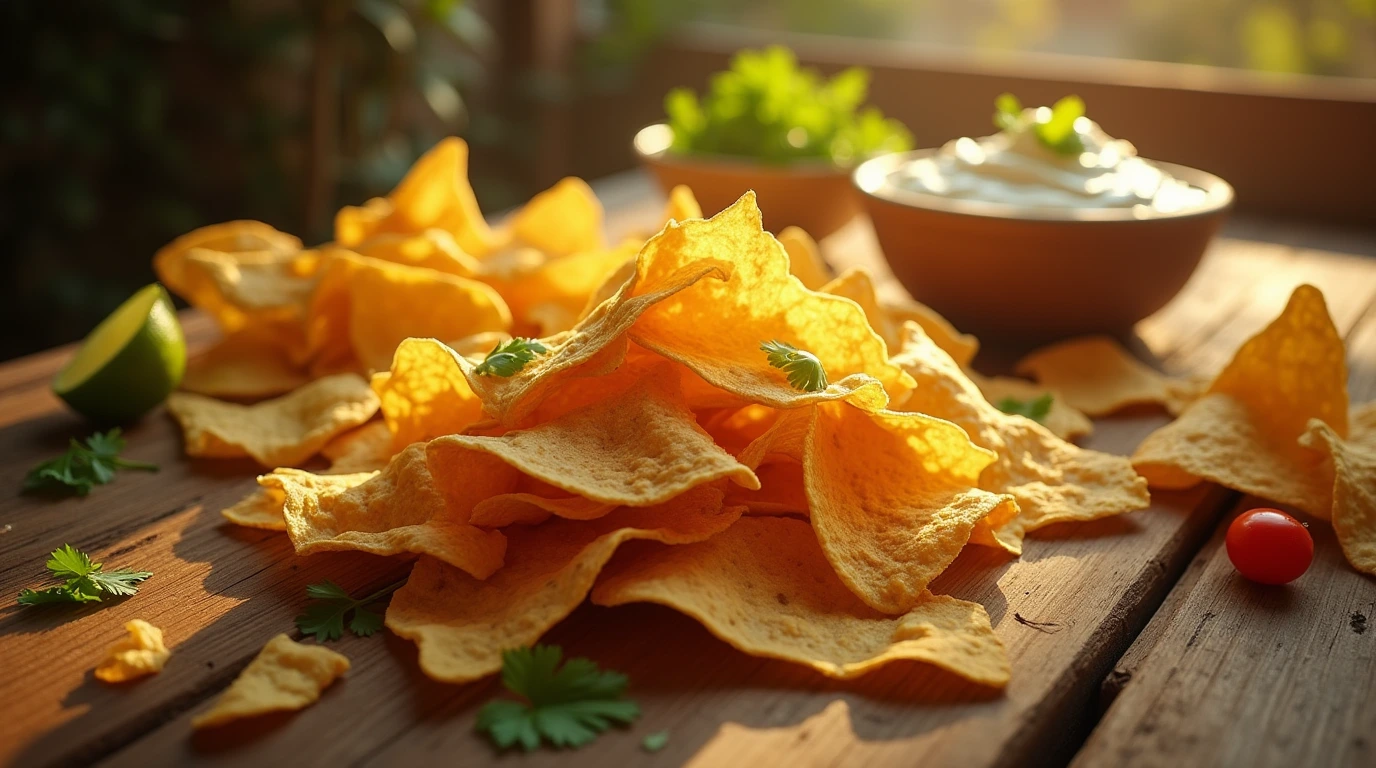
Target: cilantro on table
[83,467]
[653,742]
[767,108]
[1035,409]
[509,357]
[1055,129]
[805,372]
[324,618]
[568,705]
[82,580]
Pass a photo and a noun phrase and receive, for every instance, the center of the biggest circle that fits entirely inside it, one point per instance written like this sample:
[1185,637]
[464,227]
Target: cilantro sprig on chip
[1054,128]
[509,357]
[567,706]
[1035,409]
[83,467]
[805,371]
[83,581]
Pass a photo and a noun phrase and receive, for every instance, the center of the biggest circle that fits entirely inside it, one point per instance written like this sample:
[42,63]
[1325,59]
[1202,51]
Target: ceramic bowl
[816,196]
[1038,273]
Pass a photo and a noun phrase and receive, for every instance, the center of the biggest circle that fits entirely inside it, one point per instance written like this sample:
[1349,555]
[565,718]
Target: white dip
[1014,167]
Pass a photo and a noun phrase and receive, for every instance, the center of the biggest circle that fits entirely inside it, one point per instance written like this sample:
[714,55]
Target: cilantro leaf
[567,706]
[83,467]
[653,742]
[509,357]
[805,371]
[121,582]
[1007,111]
[325,617]
[83,581]
[1054,127]
[1035,409]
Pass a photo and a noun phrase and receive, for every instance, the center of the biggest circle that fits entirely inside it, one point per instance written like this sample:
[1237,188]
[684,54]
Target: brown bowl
[1038,273]
[816,196]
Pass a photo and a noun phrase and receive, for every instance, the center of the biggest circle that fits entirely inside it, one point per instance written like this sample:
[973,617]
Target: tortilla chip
[462,625]
[1096,375]
[682,205]
[262,508]
[366,449]
[141,653]
[638,449]
[1052,480]
[285,675]
[551,298]
[893,499]
[764,586]
[524,508]
[399,510]
[276,433]
[1062,420]
[597,346]
[715,327]
[425,395]
[1244,432]
[375,305]
[561,221]
[1353,468]
[251,363]
[431,249]
[170,262]
[805,260]
[434,194]
[783,491]
[887,319]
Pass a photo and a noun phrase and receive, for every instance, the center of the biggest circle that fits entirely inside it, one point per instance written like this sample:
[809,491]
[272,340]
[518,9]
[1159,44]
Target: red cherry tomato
[1269,546]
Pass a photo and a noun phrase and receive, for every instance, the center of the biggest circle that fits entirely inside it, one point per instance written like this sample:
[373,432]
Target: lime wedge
[131,362]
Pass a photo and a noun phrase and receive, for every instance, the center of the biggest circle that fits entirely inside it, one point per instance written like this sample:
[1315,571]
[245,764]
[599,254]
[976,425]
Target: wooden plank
[1234,673]
[1090,587]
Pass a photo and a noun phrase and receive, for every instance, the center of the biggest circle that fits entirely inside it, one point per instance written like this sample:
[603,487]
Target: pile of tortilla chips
[649,453]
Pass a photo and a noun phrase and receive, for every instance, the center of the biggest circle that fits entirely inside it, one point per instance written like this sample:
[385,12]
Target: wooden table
[1132,640]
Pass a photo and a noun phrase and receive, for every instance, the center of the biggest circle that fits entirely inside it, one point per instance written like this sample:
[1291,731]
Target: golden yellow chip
[372,306]
[887,319]
[716,327]
[551,298]
[462,625]
[638,449]
[399,510]
[597,346]
[276,433]
[366,449]
[893,498]
[432,249]
[1353,467]
[763,586]
[1096,375]
[434,194]
[561,221]
[141,653]
[230,237]
[285,675]
[682,205]
[524,508]
[804,258]
[425,395]
[262,508]
[782,491]
[1052,480]
[250,363]
[1062,420]
[1244,432]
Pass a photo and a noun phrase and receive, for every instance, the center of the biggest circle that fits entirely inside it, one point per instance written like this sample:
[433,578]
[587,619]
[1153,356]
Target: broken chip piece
[285,675]
[141,653]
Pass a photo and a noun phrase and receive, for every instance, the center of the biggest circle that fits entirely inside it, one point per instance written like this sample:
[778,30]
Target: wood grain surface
[1068,610]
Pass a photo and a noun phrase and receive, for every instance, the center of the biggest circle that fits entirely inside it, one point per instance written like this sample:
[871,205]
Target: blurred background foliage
[125,123]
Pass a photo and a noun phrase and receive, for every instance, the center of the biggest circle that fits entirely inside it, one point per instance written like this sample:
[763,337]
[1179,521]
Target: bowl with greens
[785,131]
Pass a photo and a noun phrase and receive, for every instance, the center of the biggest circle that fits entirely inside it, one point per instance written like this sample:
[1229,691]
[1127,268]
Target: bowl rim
[642,139]
[870,178]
